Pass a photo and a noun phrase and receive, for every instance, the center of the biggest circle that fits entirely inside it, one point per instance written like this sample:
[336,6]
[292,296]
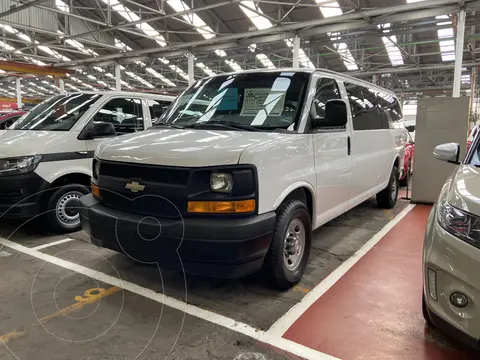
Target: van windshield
[59,113]
[258,101]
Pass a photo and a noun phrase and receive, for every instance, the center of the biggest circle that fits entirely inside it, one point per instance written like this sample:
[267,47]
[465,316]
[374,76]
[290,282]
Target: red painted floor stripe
[374,310]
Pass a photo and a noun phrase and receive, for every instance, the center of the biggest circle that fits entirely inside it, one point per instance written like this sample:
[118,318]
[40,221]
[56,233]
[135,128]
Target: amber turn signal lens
[95,190]
[221,207]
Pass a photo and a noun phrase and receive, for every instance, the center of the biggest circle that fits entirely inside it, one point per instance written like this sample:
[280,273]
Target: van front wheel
[387,198]
[289,251]
[62,208]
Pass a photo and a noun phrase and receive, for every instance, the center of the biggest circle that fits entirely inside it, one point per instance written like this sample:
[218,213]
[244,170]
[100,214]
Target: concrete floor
[46,314]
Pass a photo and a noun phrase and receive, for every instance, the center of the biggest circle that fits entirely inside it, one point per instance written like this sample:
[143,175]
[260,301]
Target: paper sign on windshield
[255,100]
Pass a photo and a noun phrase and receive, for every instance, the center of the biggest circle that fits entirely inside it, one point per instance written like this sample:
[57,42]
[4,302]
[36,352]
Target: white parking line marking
[53,243]
[286,321]
[4,254]
[231,324]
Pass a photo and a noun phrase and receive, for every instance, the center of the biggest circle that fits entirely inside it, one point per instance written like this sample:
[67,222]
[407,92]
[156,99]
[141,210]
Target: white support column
[457,82]
[19,94]
[191,70]
[118,78]
[61,85]
[296,50]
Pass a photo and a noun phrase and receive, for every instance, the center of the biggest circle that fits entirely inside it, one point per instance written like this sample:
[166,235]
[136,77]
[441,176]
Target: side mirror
[101,129]
[448,152]
[335,115]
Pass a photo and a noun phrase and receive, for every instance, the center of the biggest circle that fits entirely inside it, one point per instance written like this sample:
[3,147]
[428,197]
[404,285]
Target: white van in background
[46,155]
[242,167]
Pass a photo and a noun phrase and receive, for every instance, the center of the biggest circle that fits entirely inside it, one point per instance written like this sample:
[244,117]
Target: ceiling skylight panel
[328,9]
[205,69]
[159,76]
[178,71]
[390,42]
[130,16]
[447,47]
[192,18]
[121,45]
[466,79]
[62,6]
[233,65]
[265,61]
[260,22]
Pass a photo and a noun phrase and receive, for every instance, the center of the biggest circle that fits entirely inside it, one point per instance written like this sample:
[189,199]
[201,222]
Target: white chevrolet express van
[241,169]
[46,155]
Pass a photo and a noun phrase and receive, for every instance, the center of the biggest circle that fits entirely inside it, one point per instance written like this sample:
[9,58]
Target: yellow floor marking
[12,335]
[301,289]
[389,214]
[90,296]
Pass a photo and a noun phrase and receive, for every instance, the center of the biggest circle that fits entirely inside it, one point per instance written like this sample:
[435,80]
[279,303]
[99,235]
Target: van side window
[390,105]
[327,89]
[372,109]
[152,103]
[124,113]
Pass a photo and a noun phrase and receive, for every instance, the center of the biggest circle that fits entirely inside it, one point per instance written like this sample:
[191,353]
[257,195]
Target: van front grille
[157,174]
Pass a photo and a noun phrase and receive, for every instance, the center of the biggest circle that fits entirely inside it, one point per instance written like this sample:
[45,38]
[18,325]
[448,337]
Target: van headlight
[459,223]
[95,168]
[19,165]
[221,182]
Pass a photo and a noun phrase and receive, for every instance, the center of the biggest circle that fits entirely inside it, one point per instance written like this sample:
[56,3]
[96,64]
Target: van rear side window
[372,109]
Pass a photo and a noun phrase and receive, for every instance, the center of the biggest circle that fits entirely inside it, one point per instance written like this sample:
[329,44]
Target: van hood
[464,191]
[29,142]
[182,147]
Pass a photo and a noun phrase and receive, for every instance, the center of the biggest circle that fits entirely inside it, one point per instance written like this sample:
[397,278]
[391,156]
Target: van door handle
[349,146]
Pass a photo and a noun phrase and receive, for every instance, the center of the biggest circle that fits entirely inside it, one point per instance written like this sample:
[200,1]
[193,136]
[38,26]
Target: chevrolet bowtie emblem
[134,186]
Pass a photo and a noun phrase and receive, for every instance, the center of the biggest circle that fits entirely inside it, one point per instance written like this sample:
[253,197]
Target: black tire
[279,275]
[62,205]
[387,198]
[425,313]
[404,181]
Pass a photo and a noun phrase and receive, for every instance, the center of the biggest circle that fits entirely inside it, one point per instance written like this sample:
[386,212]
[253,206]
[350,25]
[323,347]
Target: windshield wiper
[168,125]
[224,123]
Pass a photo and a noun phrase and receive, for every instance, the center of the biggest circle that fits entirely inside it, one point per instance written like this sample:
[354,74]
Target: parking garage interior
[360,296]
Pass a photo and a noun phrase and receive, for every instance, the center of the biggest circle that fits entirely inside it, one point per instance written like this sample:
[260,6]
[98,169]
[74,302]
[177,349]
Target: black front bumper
[20,195]
[210,246]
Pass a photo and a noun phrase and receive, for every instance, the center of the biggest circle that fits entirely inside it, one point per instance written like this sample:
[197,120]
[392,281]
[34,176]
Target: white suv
[451,255]
[241,169]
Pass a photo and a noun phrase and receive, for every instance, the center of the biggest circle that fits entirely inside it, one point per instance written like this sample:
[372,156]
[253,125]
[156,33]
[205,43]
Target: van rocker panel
[217,246]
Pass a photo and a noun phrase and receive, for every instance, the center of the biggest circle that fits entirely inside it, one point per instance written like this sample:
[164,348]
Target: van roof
[310,71]
[126,93]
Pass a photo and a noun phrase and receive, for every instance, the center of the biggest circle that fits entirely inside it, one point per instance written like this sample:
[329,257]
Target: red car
[8,119]
[408,159]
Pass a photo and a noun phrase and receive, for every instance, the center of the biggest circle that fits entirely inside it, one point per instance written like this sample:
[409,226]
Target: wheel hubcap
[294,245]
[66,209]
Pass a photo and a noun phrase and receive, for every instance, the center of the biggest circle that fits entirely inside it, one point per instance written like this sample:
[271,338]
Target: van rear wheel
[62,208]
[289,251]
[387,198]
